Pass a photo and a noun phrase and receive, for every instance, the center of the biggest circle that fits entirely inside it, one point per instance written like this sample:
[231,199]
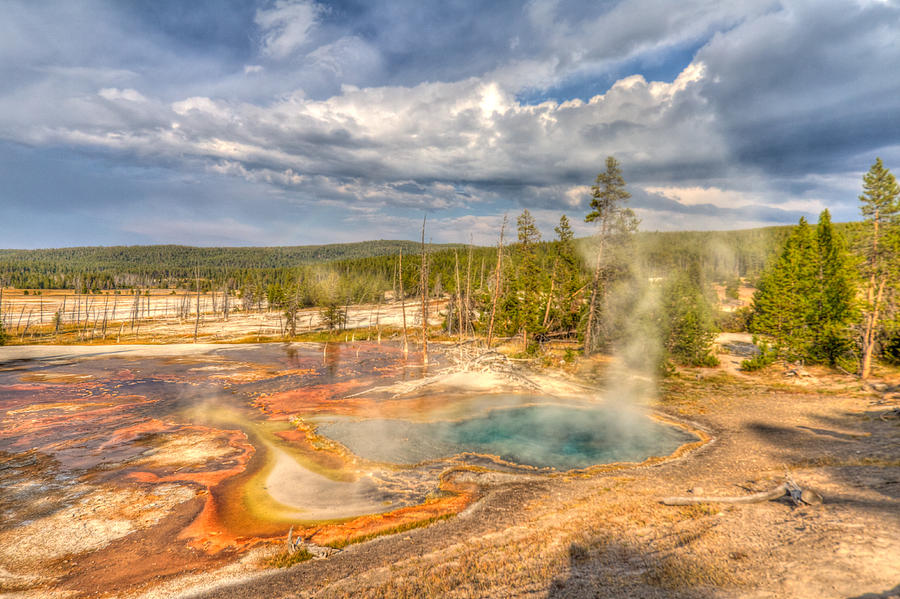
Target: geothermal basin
[216,449]
[538,432]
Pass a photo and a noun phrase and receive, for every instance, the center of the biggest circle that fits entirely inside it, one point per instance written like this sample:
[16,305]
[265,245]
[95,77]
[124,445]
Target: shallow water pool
[556,436]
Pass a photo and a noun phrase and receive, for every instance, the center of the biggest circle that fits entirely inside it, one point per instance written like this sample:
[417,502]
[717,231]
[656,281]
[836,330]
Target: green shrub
[766,356]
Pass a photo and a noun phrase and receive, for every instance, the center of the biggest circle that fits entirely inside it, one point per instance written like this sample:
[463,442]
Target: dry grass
[388,531]
[287,558]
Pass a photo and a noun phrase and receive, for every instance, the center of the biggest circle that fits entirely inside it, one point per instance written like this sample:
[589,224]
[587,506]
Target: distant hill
[47,268]
[721,255]
[183,256]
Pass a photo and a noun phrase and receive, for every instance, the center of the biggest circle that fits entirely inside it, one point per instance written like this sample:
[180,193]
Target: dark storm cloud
[808,87]
[247,114]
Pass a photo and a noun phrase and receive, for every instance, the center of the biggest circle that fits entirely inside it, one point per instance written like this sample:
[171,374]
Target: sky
[292,122]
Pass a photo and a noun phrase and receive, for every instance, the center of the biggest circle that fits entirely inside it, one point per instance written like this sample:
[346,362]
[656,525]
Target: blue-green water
[556,436]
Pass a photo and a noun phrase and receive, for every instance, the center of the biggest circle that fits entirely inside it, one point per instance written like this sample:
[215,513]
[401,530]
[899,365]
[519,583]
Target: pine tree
[881,213]
[782,302]
[806,298]
[689,328]
[608,196]
[566,276]
[834,300]
[526,297]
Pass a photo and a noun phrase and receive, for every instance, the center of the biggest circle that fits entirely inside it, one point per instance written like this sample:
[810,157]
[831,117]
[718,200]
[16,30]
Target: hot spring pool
[558,436]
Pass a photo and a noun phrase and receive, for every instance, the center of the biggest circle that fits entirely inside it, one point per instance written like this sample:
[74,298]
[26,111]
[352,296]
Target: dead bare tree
[197,321]
[403,307]
[459,304]
[27,322]
[469,291]
[423,270]
[105,313]
[134,309]
[21,314]
[378,320]
[497,281]
[225,302]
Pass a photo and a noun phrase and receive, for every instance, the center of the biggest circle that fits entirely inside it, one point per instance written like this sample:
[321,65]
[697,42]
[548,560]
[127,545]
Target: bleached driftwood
[775,493]
[789,488]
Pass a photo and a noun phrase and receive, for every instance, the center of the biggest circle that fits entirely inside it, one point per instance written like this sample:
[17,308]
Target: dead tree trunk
[469,291]
[497,280]
[403,308]
[27,323]
[197,320]
[105,316]
[424,286]
[225,303]
[459,304]
[378,321]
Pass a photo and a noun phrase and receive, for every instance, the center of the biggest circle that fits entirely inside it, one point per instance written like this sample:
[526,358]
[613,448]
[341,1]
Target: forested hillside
[118,267]
[722,255]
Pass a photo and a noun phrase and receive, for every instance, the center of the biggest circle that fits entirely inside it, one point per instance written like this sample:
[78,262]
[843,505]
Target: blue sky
[287,122]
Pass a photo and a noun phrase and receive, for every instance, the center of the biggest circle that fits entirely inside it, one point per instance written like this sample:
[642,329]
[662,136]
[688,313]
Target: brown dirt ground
[608,535]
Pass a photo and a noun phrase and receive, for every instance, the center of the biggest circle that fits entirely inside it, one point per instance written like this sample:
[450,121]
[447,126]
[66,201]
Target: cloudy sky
[293,121]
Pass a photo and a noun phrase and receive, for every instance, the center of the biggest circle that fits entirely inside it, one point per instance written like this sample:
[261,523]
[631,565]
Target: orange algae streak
[208,531]
[310,398]
[458,498]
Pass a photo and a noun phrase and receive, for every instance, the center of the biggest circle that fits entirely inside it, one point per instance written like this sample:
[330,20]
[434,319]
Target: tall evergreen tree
[783,300]
[834,300]
[689,328]
[566,276]
[608,196]
[526,298]
[881,213]
[806,298]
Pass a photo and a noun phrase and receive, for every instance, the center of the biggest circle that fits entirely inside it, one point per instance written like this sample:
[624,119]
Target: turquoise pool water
[557,436]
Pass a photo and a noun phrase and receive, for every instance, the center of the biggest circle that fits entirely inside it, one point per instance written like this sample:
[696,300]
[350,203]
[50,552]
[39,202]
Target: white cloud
[286,26]
[471,133]
[714,196]
[331,117]
[112,94]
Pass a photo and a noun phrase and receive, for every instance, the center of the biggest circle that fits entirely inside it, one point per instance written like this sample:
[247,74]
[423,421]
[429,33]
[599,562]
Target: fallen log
[789,488]
[775,493]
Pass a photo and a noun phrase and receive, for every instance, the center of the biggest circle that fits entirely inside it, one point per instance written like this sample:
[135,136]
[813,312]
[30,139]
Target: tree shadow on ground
[619,570]
[893,593]
[865,464]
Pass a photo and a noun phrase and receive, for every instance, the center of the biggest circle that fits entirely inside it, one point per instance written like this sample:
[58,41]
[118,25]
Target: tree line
[825,294]
[829,299]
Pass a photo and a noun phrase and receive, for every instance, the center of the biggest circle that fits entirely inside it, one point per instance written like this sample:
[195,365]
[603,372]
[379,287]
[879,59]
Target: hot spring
[540,434]
[337,441]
